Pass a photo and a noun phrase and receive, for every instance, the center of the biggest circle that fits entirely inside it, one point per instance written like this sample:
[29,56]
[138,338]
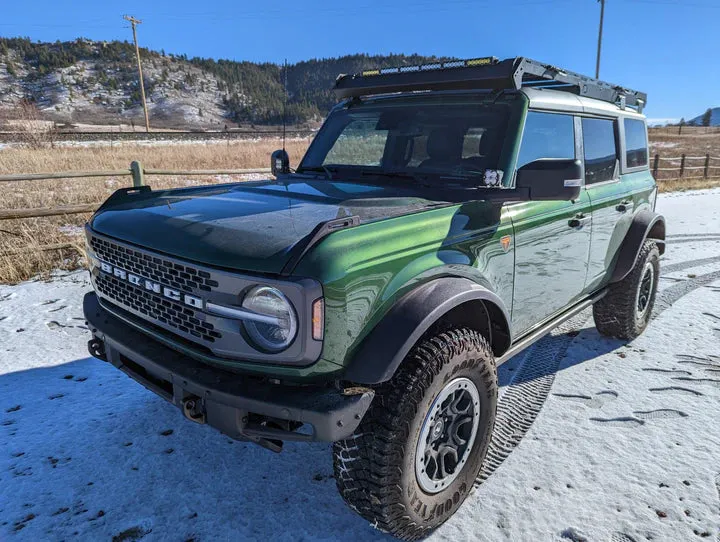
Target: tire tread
[368,465]
[614,314]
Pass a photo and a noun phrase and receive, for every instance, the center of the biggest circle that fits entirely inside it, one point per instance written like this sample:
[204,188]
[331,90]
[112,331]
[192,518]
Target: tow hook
[97,348]
[192,409]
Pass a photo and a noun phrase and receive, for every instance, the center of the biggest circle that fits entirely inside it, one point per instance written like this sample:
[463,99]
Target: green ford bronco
[444,218]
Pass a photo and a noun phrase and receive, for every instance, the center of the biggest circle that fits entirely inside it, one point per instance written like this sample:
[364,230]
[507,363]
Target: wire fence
[667,168]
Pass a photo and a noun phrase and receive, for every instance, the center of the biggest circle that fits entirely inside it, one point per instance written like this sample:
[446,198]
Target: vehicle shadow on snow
[88,453]
[91,452]
[86,450]
[593,345]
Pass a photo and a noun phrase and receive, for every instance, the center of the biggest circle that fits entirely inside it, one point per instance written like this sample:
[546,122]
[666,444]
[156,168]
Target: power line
[134,22]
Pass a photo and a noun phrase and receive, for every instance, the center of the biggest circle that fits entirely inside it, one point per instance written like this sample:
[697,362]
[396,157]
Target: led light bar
[484,61]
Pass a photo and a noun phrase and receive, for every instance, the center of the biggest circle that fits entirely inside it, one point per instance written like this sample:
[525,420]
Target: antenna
[279,160]
[285,90]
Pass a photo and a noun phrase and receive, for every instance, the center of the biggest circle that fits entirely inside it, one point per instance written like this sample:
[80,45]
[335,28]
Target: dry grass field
[692,143]
[20,239]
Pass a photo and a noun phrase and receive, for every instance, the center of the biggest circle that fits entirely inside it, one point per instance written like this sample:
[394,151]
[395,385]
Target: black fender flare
[382,351]
[646,224]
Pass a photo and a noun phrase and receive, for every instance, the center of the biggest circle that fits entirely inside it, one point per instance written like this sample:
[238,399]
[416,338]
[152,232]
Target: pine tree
[707,117]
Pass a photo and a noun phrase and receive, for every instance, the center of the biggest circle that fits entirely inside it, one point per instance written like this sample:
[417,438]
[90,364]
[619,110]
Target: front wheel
[625,310]
[416,454]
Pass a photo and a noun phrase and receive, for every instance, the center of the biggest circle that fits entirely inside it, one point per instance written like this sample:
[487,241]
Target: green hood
[249,226]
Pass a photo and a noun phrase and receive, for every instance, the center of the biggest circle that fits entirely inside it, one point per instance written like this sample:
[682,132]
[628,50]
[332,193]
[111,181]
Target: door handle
[622,206]
[578,221]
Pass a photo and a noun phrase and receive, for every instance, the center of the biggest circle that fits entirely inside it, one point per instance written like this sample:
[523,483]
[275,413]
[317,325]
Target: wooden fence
[683,130]
[136,172]
[665,168]
[119,136]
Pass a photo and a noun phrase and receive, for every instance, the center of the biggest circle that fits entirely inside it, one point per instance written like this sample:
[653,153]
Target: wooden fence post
[138,174]
[655,165]
[682,165]
[707,166]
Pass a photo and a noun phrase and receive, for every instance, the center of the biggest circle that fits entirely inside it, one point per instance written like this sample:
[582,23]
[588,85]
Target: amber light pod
[318,319]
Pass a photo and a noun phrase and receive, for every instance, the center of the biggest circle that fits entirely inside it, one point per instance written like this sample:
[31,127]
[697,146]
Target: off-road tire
[616,314]
[375,467]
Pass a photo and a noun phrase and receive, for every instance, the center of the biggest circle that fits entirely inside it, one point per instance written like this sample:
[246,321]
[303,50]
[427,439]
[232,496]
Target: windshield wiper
[414,178]
[318,169]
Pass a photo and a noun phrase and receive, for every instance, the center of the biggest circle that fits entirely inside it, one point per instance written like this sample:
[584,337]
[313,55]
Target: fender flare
[646,224]
[385,347]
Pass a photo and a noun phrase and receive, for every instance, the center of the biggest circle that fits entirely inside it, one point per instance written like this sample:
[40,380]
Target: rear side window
[547,135]
[601,156]
[636,152]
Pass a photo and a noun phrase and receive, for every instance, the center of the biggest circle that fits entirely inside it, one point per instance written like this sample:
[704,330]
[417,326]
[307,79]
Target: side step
[543,330]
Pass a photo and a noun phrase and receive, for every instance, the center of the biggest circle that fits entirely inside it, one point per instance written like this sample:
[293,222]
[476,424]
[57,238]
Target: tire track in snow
[681,266]
[670,295]
[693,235]
[526,394]
[693,240]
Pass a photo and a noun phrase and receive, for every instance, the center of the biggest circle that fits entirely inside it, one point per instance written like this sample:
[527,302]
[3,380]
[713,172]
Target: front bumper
[242,407]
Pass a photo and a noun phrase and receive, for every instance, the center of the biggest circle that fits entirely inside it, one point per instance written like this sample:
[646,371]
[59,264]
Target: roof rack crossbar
[484,73]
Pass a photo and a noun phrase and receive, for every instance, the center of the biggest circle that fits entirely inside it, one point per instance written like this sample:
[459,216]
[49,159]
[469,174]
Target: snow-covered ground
[626,446]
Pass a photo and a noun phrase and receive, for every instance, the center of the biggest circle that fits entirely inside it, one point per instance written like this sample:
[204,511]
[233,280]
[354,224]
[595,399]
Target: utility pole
[602,16]
[134,22]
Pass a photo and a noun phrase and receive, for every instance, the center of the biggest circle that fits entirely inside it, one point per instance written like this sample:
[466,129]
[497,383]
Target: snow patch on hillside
[183,94]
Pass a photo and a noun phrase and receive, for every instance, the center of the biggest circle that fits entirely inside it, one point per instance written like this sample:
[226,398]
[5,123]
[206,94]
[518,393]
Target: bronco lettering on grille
[151,286]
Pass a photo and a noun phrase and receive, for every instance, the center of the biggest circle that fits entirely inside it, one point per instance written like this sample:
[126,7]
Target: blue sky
[667,48]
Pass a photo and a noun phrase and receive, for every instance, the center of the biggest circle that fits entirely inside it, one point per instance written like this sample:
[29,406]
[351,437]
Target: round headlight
[278,332]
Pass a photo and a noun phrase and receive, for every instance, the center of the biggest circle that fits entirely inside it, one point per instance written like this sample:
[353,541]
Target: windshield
[412,140]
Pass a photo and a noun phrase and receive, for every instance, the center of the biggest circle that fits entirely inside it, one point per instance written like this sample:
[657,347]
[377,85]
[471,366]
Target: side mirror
[279,162]
[551,179]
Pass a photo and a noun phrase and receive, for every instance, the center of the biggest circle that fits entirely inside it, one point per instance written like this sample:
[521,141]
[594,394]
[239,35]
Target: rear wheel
[416,454]
[625,311]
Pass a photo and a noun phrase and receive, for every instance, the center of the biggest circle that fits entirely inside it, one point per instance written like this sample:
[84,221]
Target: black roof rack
[484,73]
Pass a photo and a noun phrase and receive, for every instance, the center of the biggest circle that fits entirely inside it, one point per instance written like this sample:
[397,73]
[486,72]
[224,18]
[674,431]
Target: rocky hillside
[96,83]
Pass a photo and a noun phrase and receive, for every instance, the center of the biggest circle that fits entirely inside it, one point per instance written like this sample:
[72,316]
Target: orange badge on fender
[505,242]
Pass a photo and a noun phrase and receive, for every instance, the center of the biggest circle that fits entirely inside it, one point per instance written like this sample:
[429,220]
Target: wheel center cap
[438,429]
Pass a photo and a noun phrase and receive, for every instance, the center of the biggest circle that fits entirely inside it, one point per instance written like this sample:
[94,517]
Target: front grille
[182,277]
[155,307]
[185,320]
[163,294]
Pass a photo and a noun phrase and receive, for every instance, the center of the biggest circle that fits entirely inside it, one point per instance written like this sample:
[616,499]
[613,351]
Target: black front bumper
[244,408]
